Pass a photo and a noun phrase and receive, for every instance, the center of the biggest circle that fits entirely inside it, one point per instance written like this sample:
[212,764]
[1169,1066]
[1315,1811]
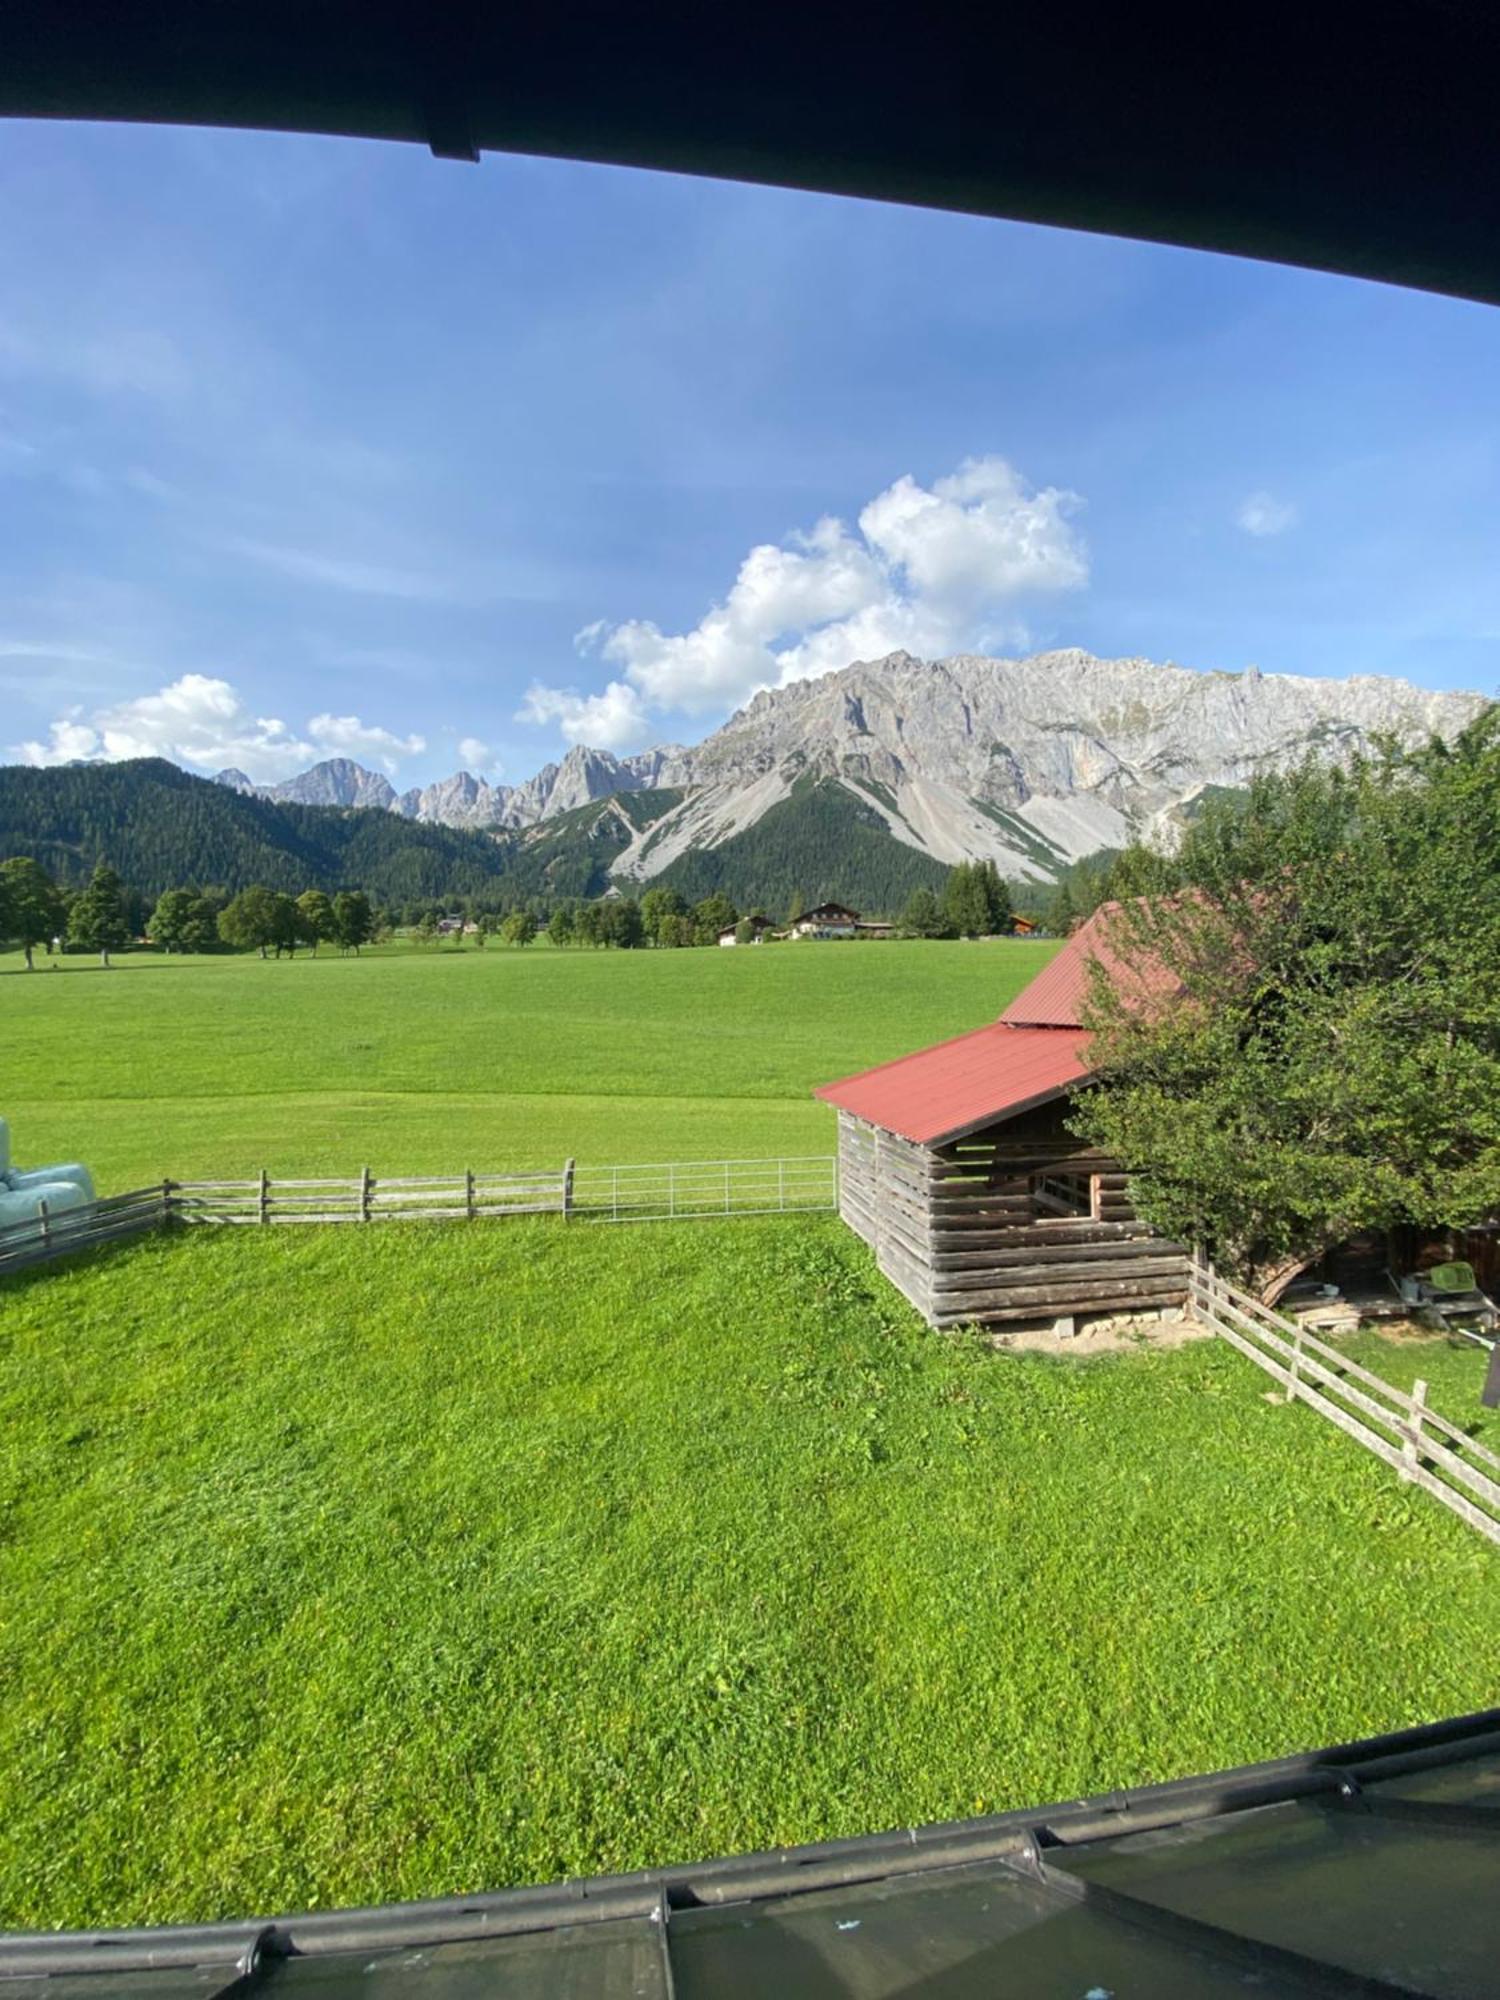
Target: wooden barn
[956,1167]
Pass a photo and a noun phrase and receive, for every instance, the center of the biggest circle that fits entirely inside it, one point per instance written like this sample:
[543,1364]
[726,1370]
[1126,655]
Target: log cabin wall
[1018,1222]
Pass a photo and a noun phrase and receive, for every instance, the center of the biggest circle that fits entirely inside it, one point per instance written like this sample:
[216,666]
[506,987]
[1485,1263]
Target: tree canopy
[31,905]
[1331,1062]
[98,920]
[976,901]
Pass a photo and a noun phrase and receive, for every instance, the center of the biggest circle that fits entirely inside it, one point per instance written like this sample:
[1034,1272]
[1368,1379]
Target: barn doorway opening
[1072,1195]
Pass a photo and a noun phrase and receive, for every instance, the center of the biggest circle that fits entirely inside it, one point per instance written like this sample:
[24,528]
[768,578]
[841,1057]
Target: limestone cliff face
[1031,762]
[582,776]
[339,781]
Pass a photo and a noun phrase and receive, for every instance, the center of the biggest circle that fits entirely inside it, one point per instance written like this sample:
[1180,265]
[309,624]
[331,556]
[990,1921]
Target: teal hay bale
[14,1181]
[44,1198]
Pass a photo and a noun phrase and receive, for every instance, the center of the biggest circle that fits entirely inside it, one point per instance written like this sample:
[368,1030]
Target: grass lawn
[345,1565]
[428,1061]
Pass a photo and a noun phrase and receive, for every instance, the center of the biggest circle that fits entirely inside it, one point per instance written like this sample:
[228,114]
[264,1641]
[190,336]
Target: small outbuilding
[957,1168]
[760,927]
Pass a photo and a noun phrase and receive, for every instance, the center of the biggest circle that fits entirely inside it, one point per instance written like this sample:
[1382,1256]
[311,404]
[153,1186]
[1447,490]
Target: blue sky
[311,447]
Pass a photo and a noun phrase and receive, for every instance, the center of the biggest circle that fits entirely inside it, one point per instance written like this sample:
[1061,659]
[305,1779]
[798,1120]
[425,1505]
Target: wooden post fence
[643,1193]
[1423,1448]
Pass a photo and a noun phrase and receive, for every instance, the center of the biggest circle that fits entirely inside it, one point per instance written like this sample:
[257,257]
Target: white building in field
[826,920]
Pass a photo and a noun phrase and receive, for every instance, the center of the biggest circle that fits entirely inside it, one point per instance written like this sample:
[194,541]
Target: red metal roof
[1055,998]
[1032,1053]
[990,1073]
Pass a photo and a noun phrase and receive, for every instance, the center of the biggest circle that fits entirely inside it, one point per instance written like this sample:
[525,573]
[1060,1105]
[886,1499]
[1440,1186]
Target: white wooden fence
[676,1190]
[1423,1447]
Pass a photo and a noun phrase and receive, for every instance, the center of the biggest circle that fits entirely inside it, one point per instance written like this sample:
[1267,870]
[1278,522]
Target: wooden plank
[1061,1256]
[1159,1288]
[1403,1420]
[1260,1315]
[1361,1433]
[1029,1311]
[40,1253]
[72,1228]
[1115,1294]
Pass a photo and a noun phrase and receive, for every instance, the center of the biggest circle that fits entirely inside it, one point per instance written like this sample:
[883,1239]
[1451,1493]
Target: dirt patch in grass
[1128,1334]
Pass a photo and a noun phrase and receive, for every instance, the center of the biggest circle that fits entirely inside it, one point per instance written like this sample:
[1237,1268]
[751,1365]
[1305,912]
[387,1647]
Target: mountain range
[1032,763]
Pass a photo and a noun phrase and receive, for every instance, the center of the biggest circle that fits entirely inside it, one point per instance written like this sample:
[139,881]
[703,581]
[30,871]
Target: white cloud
[931,569]
[1264,514]
[617,719]
[203,722]
[347,736]
[476,756]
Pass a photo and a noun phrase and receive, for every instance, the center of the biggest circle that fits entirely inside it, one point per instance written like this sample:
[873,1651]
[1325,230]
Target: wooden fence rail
[47,1235]
[675,1190]
[1423,1447]
[367,1197]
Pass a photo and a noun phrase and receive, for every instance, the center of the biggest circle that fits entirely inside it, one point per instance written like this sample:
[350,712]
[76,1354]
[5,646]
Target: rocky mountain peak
[1031,762]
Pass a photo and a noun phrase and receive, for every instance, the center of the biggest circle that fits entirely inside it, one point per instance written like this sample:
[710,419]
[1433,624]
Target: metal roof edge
[999,1118]
[747,1878]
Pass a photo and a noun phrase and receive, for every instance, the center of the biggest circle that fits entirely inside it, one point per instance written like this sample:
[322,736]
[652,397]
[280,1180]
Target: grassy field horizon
[414,1060]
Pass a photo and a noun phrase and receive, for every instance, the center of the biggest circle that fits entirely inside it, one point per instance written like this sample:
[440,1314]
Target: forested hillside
[161,827]
[820,843]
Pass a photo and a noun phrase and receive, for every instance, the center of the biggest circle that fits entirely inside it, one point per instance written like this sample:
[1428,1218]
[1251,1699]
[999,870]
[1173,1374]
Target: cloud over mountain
[928,570]
[203,722]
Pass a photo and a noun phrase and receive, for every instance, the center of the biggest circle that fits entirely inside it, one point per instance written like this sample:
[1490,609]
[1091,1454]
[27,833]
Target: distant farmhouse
[956,1167]
[760,927]
[825,920]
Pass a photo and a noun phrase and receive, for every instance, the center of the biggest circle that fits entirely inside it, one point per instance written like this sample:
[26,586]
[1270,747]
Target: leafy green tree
[249,920]
[167,922]
[353,920]
[617,922]
[657,905]
[676,933]
[316,911]
[588,924]
[200,928]
[714,914]
[286,919]
[519,927]
[923,915]
[560,928]
[1330,1062]
[98,920]
[32,910]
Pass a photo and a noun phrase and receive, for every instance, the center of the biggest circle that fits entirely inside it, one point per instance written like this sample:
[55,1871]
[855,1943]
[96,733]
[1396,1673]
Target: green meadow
[341,1565]
[413,1060]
